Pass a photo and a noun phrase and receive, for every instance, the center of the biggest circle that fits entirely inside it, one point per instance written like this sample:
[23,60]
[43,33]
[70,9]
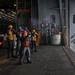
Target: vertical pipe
[16,14]
[17,17]
[25,4]
[61,14]
[67,21]
[31,15]
[38,14]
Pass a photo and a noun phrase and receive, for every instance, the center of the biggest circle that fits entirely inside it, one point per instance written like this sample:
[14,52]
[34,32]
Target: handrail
[72,36]
[72,40]
[42,28]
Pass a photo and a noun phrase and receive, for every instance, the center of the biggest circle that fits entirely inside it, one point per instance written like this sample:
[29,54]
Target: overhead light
[12,15]
[3,10]
[14,5]
[9,13]
[13,12]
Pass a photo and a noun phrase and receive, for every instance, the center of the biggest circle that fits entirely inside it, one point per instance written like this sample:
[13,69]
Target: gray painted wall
[72,12]
[72,25]
[42,11]
[47,8]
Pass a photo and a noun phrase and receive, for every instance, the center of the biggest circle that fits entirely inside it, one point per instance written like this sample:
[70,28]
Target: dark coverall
[34,38]
[19,35]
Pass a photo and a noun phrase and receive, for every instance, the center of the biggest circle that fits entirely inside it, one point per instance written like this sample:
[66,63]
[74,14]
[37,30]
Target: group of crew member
[25,42]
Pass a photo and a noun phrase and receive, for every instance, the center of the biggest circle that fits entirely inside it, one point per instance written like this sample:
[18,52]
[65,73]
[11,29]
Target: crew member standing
[10,39]
[25,49]
[19,35]
[34,39]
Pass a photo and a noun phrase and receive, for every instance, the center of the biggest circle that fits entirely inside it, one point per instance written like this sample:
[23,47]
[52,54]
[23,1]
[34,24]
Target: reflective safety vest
[34,36]
[10,35]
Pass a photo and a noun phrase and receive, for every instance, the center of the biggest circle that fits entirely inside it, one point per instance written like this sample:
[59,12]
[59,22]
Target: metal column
[61,14]
[67,22]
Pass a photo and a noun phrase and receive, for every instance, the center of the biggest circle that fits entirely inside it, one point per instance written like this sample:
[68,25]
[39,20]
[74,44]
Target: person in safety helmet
[34,38]
[10,39]
[20,28]
[25,49]
[10,26]
[19,35]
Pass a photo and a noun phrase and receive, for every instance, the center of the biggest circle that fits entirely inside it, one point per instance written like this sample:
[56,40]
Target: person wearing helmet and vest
[19,35]
[10,39]
[25,49]
[34,38]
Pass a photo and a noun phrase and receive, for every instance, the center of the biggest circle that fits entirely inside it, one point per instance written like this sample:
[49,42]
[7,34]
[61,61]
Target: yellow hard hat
[33,30]
[10,26]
